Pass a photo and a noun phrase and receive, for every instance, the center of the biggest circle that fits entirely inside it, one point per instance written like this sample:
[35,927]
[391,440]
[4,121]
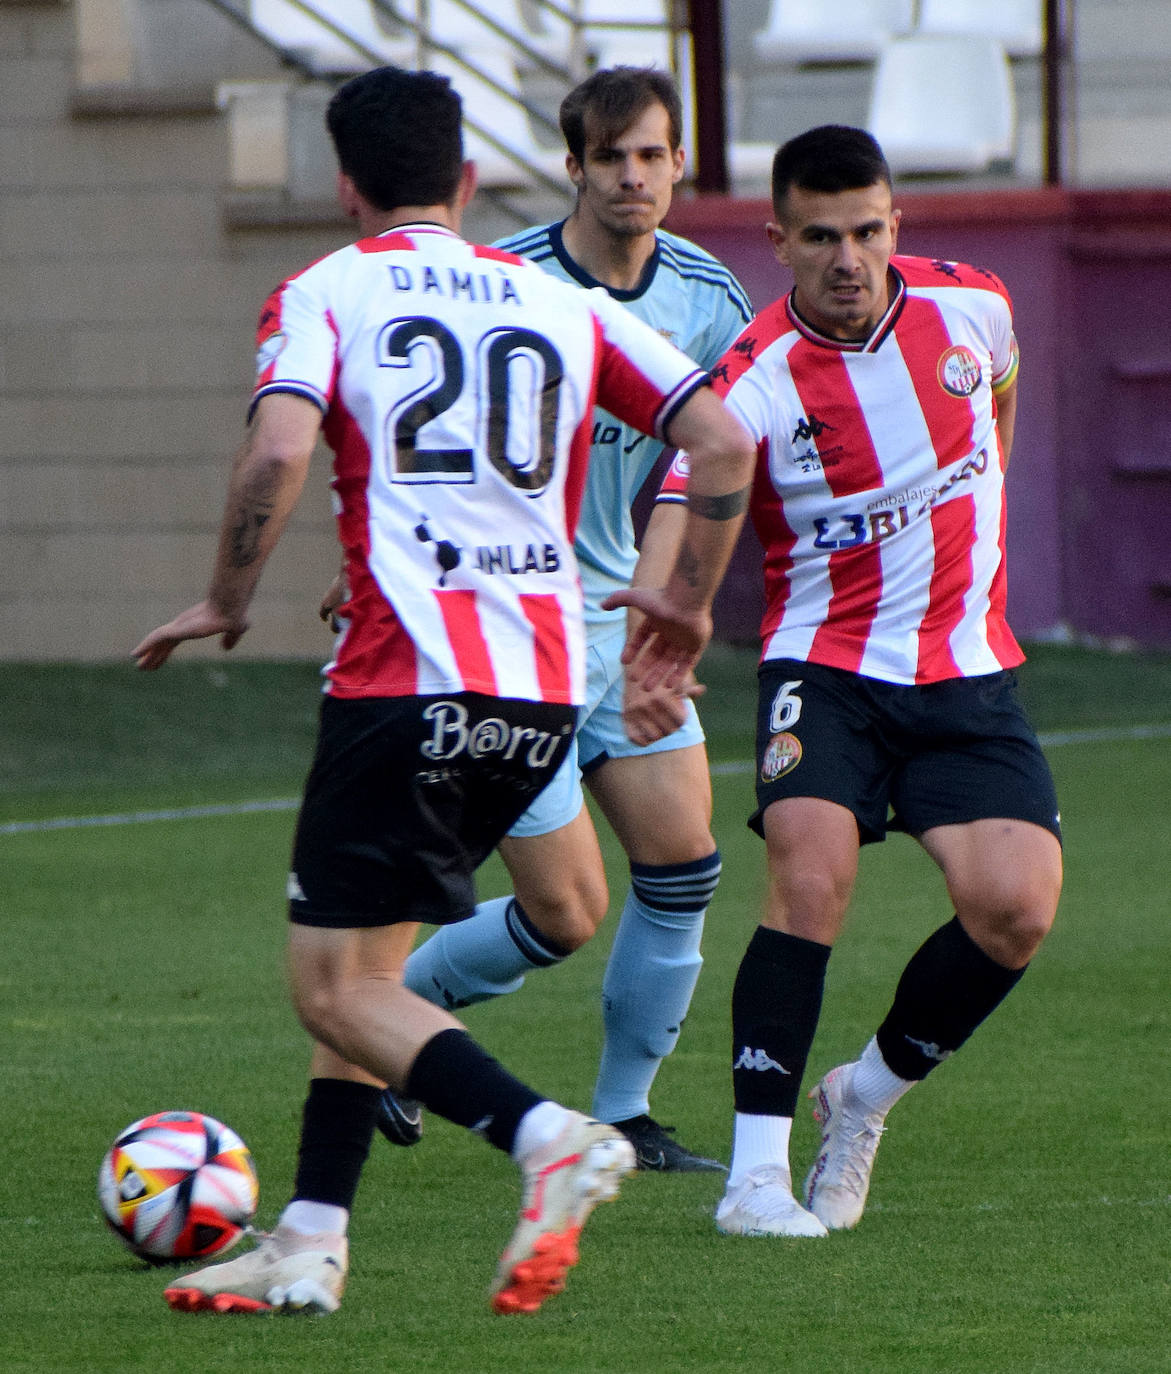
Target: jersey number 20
[517,376]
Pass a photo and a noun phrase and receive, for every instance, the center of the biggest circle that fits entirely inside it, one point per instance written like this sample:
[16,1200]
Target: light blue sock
[653,967]
[480,958]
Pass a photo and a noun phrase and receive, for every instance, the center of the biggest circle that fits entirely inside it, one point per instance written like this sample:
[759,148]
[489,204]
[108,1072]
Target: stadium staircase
[266,70]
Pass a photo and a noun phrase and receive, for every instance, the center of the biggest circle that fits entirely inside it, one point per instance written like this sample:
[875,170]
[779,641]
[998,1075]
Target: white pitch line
[178,813]
[1050,740]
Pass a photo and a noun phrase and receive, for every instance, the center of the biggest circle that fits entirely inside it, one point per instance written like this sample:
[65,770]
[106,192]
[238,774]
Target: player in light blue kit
[622,127]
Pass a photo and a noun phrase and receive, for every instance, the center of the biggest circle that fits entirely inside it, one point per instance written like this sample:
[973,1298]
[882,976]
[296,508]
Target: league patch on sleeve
[270,350]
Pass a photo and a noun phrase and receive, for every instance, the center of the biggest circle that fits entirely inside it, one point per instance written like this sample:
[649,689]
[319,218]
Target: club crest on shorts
[782,756]
[959,371]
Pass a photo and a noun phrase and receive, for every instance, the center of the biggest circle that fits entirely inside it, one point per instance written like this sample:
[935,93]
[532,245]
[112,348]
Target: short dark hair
[830,158]
[397,135]
[612,99]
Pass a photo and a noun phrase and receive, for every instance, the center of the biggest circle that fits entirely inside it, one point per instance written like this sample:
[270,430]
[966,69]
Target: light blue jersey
[694,301]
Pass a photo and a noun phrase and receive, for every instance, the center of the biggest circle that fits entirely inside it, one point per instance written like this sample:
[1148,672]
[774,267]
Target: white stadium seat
[943,104]
[844,31]
[1016,23]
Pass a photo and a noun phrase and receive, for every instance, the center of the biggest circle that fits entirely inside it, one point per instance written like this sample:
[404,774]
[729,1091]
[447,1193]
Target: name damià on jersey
[480,288]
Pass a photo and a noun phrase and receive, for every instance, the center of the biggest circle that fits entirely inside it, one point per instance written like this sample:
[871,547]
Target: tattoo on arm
[687,565]
[252,514]
[725,507]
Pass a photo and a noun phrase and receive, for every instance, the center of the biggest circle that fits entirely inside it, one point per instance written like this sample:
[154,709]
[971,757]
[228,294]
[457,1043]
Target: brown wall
[127,314]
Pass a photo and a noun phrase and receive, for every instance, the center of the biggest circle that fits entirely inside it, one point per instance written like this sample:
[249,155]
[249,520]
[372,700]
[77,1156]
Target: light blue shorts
[600,736]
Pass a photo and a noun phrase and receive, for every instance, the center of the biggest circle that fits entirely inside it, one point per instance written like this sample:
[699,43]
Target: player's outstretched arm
[648,716]
[676,624]
[267,477]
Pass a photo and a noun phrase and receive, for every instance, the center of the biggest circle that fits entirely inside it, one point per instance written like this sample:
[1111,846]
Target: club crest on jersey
[270,350]
[959,371]
[782,756]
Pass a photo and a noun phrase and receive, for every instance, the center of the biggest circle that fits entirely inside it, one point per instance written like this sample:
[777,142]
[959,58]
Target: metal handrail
[427,41]
[517,40]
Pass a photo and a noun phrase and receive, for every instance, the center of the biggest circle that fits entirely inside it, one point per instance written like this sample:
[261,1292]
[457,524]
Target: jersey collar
[420,226]
[583,278]
[873,342]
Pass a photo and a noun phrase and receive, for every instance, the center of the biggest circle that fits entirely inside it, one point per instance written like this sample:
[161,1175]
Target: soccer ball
[177,1186]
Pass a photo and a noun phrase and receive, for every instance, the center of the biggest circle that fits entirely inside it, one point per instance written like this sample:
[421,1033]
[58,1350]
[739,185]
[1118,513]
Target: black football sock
[776,1001]
[337,1126]
[457,1079]
[947,989]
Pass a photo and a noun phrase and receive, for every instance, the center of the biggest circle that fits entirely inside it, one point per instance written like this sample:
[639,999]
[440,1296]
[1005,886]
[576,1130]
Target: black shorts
[407,796]
[899,757]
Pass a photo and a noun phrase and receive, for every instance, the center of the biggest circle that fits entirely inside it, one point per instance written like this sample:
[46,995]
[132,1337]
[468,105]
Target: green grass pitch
[1020,1217]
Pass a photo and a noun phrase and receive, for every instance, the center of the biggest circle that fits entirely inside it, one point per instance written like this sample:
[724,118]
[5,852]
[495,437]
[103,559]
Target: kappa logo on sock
[450,1000]
[929,1049]
[759,1061]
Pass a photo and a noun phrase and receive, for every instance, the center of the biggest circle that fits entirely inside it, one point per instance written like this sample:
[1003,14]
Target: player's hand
[667,642]
[197,622]
[337,594]
[650,716]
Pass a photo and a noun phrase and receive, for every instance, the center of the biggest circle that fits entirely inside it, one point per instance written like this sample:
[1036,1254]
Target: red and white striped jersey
[458,384]
[879,491]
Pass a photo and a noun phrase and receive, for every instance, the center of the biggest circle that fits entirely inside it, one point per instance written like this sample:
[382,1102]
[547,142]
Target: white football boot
[287,1272]
[762,1204]
[564,1180]
[837,1185]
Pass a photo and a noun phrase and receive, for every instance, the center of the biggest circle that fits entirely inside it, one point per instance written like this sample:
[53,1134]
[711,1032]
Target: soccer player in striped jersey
[881,393]
[649,776]
[455,385]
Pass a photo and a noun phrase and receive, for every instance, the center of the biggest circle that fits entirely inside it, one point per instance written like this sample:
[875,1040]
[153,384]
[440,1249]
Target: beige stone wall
[127,312]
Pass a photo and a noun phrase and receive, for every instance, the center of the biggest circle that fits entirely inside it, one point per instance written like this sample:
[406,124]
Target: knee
[1019,936]
[808,901]
[569,916]
[812,848]
[1010,921]
[316,1003]
[1010,938]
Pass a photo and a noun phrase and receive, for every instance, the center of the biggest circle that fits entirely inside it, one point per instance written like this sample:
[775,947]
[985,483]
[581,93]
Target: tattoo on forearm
[725,507]
[687,565]
[252,514]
